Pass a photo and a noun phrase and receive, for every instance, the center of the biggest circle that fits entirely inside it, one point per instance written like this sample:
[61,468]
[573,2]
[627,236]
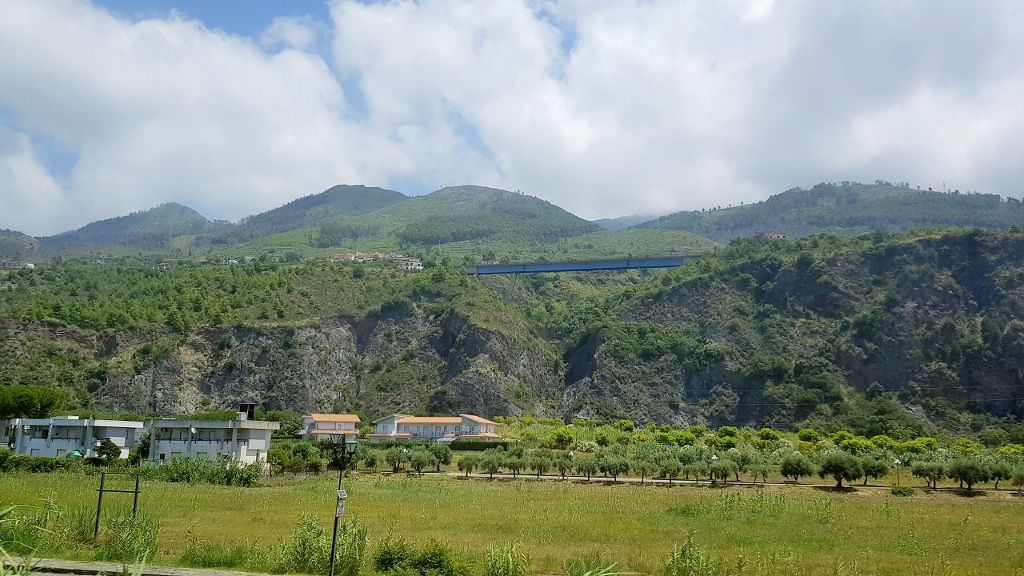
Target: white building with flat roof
[64,435]
[242,440]
[434,428]
[329,426]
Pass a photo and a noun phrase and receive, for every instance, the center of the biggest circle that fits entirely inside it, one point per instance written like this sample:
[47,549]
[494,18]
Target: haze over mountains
[475,218]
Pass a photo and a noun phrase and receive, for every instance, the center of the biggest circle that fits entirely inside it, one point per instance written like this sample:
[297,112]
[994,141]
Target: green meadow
[762,531]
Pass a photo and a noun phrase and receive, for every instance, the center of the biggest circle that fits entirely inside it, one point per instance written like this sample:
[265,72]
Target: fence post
[135,499]
[99,506]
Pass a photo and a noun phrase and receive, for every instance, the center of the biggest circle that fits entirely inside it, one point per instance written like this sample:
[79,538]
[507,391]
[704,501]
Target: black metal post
[342,464]
[135,499]
[99,506]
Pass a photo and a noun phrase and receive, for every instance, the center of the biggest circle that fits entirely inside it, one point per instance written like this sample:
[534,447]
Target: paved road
[43,567]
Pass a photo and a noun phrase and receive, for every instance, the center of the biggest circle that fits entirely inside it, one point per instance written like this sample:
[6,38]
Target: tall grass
[506,560]
[246,556]
[308,549]
[130,538]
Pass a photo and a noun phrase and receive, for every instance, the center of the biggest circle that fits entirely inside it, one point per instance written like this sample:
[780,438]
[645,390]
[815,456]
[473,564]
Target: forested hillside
[879,334]
[468,213]
[308,211]
[848,209]
[15,245]
[149,230]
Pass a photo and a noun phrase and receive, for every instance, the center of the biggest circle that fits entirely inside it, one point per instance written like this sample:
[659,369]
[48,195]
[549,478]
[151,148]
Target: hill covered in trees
[848,209]
[15,245]
[335,202]
[465,213]
[149,230]
[893,334]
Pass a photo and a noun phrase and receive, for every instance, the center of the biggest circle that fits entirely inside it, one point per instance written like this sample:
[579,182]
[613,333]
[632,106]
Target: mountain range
[484,223]
[847,209]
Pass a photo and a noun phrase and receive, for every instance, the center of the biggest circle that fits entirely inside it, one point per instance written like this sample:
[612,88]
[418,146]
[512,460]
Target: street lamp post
[348,451]
[897,463]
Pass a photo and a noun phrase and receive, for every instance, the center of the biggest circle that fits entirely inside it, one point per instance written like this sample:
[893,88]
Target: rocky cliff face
[395,360]
[934,320]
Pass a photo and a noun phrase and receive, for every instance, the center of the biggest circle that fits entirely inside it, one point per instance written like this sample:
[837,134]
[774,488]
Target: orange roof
[477,419]
[334,418]
[430,420]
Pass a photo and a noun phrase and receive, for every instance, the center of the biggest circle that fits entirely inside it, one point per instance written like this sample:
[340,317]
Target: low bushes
[431,559]
[193,471]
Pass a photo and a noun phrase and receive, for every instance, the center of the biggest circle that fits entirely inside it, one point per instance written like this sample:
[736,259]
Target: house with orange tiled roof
[433,428]
[318,426]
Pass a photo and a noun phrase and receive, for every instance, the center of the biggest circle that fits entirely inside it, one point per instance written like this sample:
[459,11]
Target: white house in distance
[434,428]
[242,440]
[331,426]
[62,435]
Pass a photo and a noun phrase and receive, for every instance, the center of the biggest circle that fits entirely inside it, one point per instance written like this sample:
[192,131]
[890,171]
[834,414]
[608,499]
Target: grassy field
[775,530]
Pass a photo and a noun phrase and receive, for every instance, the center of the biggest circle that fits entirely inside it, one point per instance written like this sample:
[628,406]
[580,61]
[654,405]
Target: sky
[605,108]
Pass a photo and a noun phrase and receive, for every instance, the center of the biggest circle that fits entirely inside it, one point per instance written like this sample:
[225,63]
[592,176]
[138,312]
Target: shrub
[308,549]
[352,538]
[902,491]
[130,538]
[562,437]
[433,559]
[506,560]
[688,560]
[728,431]
[391,555]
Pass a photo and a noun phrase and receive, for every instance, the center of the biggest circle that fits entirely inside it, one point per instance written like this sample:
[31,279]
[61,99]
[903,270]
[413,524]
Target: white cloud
[291,32]
[31,197]
[603,108]
[166,109]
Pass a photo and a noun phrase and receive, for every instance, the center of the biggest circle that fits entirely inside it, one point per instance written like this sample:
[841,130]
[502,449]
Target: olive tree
[613,465]
[491,462]
[586,467]
[873,468]
[1018,479]
[442,454]
[670,468]
[841,467]
[999,470]
[468,462]
[721,469]
[930,472]
[644,468]
[421,459]
[396,457]
[563,464]
[795,466]
[969,471]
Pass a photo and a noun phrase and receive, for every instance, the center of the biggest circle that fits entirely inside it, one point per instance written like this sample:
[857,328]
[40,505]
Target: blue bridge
[580,265]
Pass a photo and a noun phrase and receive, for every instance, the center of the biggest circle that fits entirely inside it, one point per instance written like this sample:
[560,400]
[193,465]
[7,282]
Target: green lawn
[777,530]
